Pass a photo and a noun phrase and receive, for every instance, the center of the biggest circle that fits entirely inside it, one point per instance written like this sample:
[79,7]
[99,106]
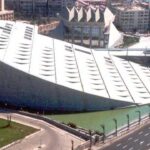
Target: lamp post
[72,145]
[128,121]
[104,132]
[139,114]
[40,140]
[5,104]
[90,133]
[127,52]
[149,111]
[116,126]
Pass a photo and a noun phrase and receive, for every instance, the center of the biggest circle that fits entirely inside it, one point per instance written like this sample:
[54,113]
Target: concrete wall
[23,90]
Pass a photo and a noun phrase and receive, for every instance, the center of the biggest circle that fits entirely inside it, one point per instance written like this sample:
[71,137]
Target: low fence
[121,131]
[57,124]
[46,28]
[127,126]
[123,49]
[121,118]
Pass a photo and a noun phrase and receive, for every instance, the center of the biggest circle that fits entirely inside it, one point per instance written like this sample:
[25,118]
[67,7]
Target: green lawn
[93,120]
[129,41]
[11,133]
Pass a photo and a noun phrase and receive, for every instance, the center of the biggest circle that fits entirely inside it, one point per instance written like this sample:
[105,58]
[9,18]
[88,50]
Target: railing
[118,131]
[124,49]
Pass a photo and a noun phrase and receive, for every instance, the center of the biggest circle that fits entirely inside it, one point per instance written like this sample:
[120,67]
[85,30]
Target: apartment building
[132,18]
[28,7]
[62,3]
[5,14]
[38,7]
[58,6]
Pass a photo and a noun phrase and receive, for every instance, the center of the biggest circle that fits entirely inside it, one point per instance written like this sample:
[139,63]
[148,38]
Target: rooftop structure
[88,15]
[43,73]
[93,4]
[87,27]
[115,37]
[128,8]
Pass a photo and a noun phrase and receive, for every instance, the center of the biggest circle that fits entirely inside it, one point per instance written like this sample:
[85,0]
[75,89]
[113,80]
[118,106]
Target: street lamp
[5,104]
[90,133]
[40,140]
[104,136]
[128,121]
[116,126]
[72,145]
[149,111]
[139,113]
[127,52]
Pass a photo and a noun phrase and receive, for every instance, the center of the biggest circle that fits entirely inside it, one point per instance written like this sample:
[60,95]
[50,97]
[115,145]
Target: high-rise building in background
[50,7]
[44,8]
[132,16]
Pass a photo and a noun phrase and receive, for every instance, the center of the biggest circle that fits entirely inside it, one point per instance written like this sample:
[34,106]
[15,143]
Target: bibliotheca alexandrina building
[43,73]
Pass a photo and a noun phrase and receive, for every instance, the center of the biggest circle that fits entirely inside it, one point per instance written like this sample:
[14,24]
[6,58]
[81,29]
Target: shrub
[72,125]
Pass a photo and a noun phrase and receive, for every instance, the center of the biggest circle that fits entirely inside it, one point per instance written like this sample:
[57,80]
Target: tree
[8,120]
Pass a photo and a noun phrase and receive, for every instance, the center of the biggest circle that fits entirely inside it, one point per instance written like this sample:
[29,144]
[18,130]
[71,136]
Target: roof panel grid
[95,72]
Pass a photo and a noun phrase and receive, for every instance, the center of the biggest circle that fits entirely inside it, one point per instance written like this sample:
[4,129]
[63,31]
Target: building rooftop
[111,74]
[93,4]
[130,8]
[143,43]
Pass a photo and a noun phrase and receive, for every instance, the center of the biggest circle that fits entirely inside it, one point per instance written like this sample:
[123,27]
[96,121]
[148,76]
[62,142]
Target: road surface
[138,140]
[48,138]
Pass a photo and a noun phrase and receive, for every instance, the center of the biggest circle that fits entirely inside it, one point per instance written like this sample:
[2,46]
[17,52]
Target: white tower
[2,5]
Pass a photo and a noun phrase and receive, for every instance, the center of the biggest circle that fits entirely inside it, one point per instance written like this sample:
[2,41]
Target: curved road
[48,137]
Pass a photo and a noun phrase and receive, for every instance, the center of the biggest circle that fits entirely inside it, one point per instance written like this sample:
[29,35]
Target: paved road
[49,137]
[138,140]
